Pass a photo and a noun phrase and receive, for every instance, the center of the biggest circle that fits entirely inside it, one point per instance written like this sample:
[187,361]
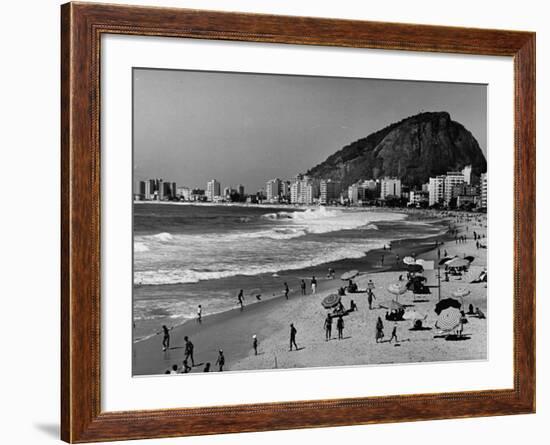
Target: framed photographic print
[275,222]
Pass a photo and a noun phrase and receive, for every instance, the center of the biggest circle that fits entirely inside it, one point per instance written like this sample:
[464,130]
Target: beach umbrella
[395,305]
[444,260]
[415,268]
[349,275]
[397,288]
[447,303]
[461,292]
[470,258]
[331,301]
[413,315]
[409,260]
[458,262]
[449,319]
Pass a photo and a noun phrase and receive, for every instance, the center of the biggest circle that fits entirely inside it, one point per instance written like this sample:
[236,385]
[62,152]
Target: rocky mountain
[413,149]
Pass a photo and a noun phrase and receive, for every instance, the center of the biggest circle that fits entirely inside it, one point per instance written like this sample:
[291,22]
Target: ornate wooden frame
[81,28]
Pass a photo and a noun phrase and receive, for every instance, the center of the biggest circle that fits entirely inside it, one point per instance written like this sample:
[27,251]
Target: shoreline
[368,263]
[224,329]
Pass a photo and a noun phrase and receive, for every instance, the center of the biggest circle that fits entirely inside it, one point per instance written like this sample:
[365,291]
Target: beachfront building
[197,195]
[240,190]
[436,188]
[483,191]
[452,179]
[329,191]
[418,198]
[390,187]
[273,190]
[467,174]
[304,190]
[213,190]
[183,193]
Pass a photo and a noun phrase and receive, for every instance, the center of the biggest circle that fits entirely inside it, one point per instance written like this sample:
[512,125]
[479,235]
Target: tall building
[167,190]
[467,173]
[452,179]
[329,191]
[390,187]
[226,192]
[213,189]
[483,187]
[304,190]
[240,190]
[160,189]
[273,190]
[436,188]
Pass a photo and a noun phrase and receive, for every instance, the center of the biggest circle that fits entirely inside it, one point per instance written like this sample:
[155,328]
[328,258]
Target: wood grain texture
[81,28]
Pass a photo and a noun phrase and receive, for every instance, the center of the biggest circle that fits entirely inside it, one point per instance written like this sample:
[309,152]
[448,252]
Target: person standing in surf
[240,298]
[287,290]
[303,287]
[199,314]
[166,337]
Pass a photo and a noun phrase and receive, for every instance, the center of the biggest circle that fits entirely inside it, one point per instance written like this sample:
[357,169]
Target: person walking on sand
[293,332]
[189,350]
[313,284]
[303,287]
[240,298]
[328,327]
[394,334]
[199,314]
[255,344]
[287,290]
[220,361]
[370,297]
[166,337]
[340,327]
[379,330]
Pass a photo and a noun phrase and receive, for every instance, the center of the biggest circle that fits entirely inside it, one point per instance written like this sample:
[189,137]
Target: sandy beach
[269,320]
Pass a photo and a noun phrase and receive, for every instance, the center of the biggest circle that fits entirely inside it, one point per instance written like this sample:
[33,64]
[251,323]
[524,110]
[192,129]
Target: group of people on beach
[189,357]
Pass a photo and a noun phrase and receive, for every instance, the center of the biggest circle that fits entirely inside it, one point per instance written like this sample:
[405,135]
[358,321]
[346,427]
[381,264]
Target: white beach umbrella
[409,260]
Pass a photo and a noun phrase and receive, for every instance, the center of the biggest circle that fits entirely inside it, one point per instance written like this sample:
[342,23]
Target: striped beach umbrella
[349,275]
[331,300]
[449,319]
[397,288]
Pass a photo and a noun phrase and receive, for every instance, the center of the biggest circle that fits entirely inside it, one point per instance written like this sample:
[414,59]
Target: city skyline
[255,139]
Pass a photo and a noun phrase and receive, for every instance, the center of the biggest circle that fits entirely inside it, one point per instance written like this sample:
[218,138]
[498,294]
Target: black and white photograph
[290,221]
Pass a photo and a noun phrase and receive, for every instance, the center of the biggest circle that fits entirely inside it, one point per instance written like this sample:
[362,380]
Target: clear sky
[192,126]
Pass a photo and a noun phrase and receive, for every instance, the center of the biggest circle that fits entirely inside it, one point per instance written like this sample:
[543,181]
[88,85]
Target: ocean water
[185,255]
